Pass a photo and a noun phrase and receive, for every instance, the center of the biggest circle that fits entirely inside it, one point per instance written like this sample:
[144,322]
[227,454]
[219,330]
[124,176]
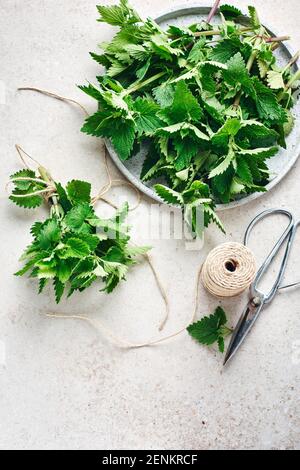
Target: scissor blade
[243,327]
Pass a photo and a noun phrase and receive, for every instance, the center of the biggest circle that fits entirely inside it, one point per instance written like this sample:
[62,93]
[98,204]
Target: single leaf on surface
[210,329]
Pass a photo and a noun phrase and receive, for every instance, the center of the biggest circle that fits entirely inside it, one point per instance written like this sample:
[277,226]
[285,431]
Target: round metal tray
[279,165]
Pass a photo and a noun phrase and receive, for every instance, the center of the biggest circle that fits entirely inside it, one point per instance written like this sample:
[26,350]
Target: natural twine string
[228,270]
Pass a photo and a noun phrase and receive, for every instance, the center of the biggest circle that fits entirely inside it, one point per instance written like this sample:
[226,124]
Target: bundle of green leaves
[211,101]
[74,247]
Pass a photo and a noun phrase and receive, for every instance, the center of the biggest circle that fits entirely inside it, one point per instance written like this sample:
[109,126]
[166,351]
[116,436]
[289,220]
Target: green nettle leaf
[224,51]
[184,107]
[146,119]
[58,289]
[211,329]
[211,108]
[164,94]
[77,248]
[118,15]
[186,149]
[49,234]
[268,108]
[259,152]
[197,54]
[237,73]
[254,17]
[25,201]
[76,217]
[123,139]
[79,191]
[26,188]
[243,171]
[168,195]
[223,166]
[230,12]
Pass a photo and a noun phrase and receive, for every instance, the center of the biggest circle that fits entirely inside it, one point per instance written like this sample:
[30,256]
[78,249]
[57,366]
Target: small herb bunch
[211,101]
[73,247]
[212,329]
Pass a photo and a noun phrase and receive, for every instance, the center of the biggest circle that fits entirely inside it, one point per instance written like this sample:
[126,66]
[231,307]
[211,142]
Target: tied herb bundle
[74,247]
[210,100]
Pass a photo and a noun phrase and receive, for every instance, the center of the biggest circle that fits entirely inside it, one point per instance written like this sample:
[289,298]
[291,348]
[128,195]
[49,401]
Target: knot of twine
[228,270]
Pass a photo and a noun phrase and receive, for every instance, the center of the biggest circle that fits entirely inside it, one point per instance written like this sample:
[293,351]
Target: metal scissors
[257,299]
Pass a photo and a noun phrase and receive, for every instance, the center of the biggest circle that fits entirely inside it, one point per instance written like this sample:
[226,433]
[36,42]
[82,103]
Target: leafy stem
[142,84]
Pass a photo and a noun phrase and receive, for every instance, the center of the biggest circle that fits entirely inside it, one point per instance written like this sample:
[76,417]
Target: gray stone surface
[63,385]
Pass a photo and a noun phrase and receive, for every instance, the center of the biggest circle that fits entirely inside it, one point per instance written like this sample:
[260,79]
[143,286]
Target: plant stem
[217,32]
[48,179]
[140,85]
[275,46]
[292,61]
[213,11]
[278,39]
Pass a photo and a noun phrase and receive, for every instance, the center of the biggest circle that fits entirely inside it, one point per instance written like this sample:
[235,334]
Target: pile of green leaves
[211,329]
[210,100]
[74,247]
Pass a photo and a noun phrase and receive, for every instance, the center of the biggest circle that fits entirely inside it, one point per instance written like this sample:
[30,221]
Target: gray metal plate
[279,165]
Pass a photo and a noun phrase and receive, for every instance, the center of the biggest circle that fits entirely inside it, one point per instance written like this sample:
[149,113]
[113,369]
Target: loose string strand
[121,342]
[54,95]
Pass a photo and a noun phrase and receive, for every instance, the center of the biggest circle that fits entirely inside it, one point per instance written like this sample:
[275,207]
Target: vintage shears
[258,300]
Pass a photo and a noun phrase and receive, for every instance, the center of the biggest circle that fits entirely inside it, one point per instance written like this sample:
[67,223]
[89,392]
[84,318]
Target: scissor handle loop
[288,233]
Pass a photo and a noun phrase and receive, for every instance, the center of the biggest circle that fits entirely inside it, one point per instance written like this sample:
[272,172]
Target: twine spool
[228,270]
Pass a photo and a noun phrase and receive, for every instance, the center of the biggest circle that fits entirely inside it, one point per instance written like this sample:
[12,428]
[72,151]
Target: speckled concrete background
[63,385]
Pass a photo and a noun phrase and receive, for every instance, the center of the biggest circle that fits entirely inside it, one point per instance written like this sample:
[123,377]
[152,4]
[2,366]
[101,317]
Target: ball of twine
[228,270]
